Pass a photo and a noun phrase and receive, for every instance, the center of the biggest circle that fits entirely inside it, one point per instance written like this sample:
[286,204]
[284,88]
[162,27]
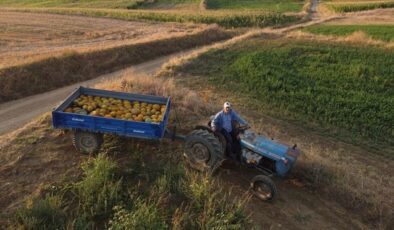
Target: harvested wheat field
[29,37]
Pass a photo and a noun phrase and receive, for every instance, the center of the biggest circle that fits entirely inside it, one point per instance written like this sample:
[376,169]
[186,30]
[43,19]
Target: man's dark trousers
[233,146]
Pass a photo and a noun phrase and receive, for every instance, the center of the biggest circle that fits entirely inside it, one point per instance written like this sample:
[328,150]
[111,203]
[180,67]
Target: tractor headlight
[285,160]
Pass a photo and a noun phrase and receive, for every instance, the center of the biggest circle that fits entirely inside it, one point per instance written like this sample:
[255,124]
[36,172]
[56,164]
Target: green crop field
[222,18]
[339,87]
[270,5]
[352,6]
[379,32]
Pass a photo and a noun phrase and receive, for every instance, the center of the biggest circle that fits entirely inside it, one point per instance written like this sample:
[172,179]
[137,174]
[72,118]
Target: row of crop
[353,7]
[274,6]
[335,86]
[226,19]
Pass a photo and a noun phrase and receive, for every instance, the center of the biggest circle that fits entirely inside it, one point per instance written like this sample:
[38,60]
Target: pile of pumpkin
[117,108]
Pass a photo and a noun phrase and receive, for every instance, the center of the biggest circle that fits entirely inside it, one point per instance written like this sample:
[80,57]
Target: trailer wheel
[87,142]
[203,151]
[263,187]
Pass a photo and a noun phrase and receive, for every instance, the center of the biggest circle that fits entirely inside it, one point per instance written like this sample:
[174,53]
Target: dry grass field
[366,27]
[29,37]
[378,16]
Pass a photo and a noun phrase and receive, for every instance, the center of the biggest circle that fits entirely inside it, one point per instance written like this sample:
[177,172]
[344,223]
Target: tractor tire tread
[75,136]
[267,181]
[217,153]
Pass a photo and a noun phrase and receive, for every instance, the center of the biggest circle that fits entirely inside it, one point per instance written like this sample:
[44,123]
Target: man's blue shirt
[224,120]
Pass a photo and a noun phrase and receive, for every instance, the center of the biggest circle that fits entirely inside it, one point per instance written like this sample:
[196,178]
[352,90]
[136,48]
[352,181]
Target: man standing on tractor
[223,123]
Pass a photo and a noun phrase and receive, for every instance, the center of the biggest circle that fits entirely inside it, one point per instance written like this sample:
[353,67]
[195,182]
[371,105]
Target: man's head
[226,107]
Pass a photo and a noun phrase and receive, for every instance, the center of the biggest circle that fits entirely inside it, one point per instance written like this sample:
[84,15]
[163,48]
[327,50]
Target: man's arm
[238,118]
[216,122]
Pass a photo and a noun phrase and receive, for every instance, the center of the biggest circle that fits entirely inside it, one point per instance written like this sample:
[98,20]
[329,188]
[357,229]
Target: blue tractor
[205,151]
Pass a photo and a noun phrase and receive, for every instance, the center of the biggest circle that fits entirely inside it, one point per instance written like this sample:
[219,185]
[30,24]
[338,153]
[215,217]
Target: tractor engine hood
[268,148]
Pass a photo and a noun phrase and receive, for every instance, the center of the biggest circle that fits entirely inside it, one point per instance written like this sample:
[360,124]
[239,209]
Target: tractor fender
[203,127]
[281,168]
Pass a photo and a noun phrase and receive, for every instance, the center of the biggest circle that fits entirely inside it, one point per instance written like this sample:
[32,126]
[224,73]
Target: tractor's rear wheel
[263,187]
[87,142]
[203,151]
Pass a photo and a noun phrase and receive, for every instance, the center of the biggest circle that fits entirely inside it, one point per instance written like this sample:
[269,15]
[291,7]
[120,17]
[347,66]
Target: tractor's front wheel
[263,187]
[87,142]
[203,151]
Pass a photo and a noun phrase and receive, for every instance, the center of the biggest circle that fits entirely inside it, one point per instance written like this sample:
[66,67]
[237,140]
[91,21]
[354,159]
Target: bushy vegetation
[338,86]
[142,191]
[353,7]
[76,205]
[380,32]
[42,213]
[99,190]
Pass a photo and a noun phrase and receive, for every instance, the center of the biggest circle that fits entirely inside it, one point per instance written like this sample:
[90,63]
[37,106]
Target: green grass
[353,7]
[99,190]
[268,5]
[342,88]
[379,32]
[41,213]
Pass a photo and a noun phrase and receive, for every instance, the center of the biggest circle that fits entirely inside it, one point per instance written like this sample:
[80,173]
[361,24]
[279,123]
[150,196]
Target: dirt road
[15,114]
